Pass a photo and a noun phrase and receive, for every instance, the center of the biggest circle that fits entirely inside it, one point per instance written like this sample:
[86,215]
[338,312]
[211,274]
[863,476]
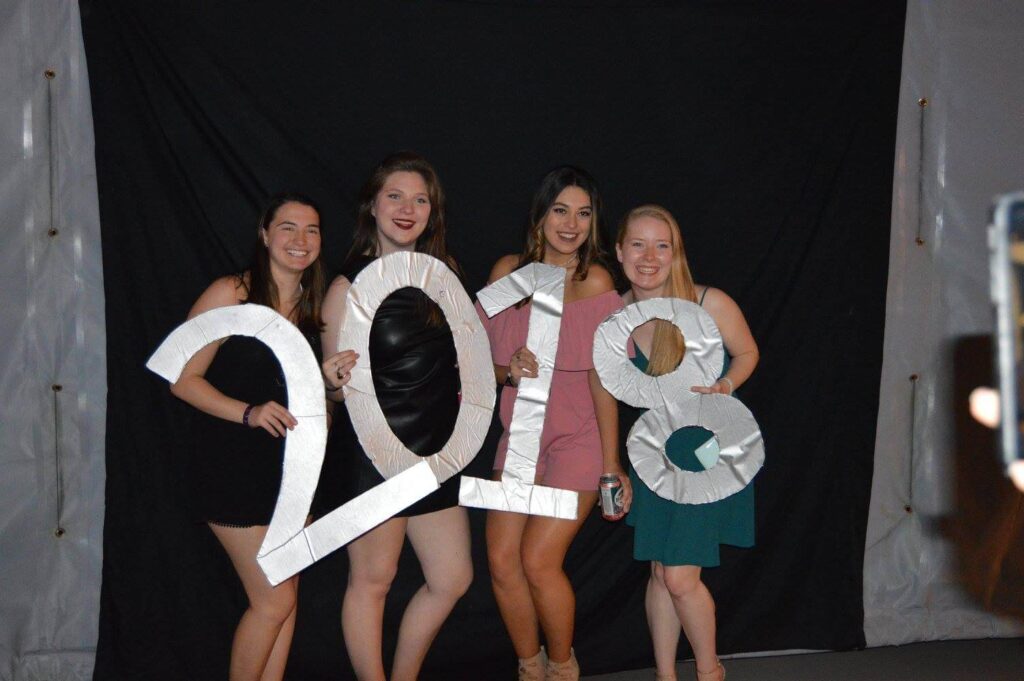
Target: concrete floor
[982,660]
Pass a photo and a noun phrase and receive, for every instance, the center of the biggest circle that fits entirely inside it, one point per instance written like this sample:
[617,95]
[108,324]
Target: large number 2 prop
[303,447]
[672,405]
[516,491]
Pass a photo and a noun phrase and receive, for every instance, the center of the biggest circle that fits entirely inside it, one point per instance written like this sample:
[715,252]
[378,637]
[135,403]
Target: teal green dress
[684,534]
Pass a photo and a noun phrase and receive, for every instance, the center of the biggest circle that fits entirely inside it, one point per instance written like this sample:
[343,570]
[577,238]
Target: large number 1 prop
[516,491]
[672,405]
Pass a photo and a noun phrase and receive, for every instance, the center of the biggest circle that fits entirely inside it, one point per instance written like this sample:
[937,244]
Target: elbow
[180,387]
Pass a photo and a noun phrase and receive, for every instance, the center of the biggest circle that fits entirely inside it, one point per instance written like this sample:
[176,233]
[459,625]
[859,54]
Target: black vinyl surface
[767,128]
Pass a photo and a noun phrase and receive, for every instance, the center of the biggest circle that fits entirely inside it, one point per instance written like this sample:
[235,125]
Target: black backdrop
[767,128]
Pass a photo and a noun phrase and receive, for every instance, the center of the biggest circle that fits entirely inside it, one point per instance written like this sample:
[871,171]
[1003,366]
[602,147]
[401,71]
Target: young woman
[679,539]
[579,441]
[416,380]
[237,384]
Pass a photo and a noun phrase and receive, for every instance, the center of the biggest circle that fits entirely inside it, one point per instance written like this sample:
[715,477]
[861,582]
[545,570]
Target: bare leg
[279,655]
[373,561]
[696,610]
[663,623]
[511,590]
[441,542]
[264,634]
[545,543]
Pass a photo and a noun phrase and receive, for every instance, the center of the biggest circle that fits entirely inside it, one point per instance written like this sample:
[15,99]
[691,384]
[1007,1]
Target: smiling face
[402,211]
[567,225]
[293,238]
[646,256]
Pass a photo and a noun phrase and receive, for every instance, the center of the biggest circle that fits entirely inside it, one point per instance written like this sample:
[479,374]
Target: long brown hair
[432,241]
[667,348]
[260,287]
[550,187]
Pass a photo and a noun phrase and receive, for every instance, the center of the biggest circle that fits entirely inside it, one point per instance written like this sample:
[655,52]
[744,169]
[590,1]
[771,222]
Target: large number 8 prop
[672,405]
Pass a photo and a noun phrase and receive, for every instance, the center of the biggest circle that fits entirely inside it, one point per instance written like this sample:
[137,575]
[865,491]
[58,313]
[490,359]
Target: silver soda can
[611,497]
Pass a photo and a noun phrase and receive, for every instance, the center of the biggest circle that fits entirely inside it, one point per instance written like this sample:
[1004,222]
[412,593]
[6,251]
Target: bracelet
[731,387]
[245,414]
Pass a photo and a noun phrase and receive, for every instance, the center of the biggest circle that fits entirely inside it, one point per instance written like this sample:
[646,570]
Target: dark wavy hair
[550,187]
[432,240]
[261,288]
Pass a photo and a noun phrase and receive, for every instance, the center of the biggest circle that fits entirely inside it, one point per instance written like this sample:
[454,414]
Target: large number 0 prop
[672,405]
[303,447]
[516,491]
[476,372]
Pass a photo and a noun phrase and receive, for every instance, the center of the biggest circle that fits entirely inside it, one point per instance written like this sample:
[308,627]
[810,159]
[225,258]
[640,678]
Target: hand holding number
[523,365]
[722,386]
[337,369]
[273,418]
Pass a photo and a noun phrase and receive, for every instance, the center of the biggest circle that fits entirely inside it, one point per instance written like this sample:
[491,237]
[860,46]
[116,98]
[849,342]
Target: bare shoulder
[722,308]
[225,291]
[506,265]
[341,284]
[716,300]
[598,281]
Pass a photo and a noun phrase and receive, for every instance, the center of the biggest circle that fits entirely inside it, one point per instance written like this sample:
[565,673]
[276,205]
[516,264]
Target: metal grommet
[49,74]
[52,232]
[59,532]
[56,387]
[923,102]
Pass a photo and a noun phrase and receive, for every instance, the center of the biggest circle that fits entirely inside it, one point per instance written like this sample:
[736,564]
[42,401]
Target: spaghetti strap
[701,301]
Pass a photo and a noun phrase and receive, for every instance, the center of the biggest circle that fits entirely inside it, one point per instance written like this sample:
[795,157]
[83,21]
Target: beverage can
[611,497]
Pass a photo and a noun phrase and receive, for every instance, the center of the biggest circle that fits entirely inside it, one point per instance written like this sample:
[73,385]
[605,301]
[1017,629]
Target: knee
[275,605]
[540,569]
[453,582]
[682,583]
[505,564]
[372,580]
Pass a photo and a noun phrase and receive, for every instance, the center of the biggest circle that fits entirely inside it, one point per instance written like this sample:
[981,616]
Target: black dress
[236,470]
[416,378]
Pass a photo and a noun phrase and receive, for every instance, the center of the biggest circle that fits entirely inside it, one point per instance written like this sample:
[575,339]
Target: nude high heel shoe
[564,671]
[716,674]
[533,668]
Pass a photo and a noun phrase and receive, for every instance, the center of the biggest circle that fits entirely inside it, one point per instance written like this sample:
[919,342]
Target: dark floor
[983,660]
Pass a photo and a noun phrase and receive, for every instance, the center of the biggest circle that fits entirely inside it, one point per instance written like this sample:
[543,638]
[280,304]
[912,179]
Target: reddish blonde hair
[667,348]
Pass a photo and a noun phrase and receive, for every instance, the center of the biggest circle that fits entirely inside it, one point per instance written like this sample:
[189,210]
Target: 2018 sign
[291,546]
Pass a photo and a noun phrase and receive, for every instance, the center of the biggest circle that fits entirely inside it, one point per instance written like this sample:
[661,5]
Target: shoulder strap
[701,301]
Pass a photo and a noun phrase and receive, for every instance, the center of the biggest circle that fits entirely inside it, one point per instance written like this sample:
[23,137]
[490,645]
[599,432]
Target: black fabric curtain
[767,129]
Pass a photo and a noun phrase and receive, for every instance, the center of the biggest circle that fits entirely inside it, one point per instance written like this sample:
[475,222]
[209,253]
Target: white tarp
[966,59]
[52,334]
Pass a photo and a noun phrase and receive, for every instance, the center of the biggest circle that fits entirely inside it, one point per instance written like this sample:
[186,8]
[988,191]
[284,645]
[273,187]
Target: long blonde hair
[667,348]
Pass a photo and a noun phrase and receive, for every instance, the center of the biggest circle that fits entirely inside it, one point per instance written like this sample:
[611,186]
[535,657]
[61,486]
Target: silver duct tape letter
[303,446]
[516,491]
[376,282]
[673,406]
[348,522]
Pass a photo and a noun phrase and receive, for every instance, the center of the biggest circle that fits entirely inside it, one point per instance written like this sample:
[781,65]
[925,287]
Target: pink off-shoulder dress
[570,445]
